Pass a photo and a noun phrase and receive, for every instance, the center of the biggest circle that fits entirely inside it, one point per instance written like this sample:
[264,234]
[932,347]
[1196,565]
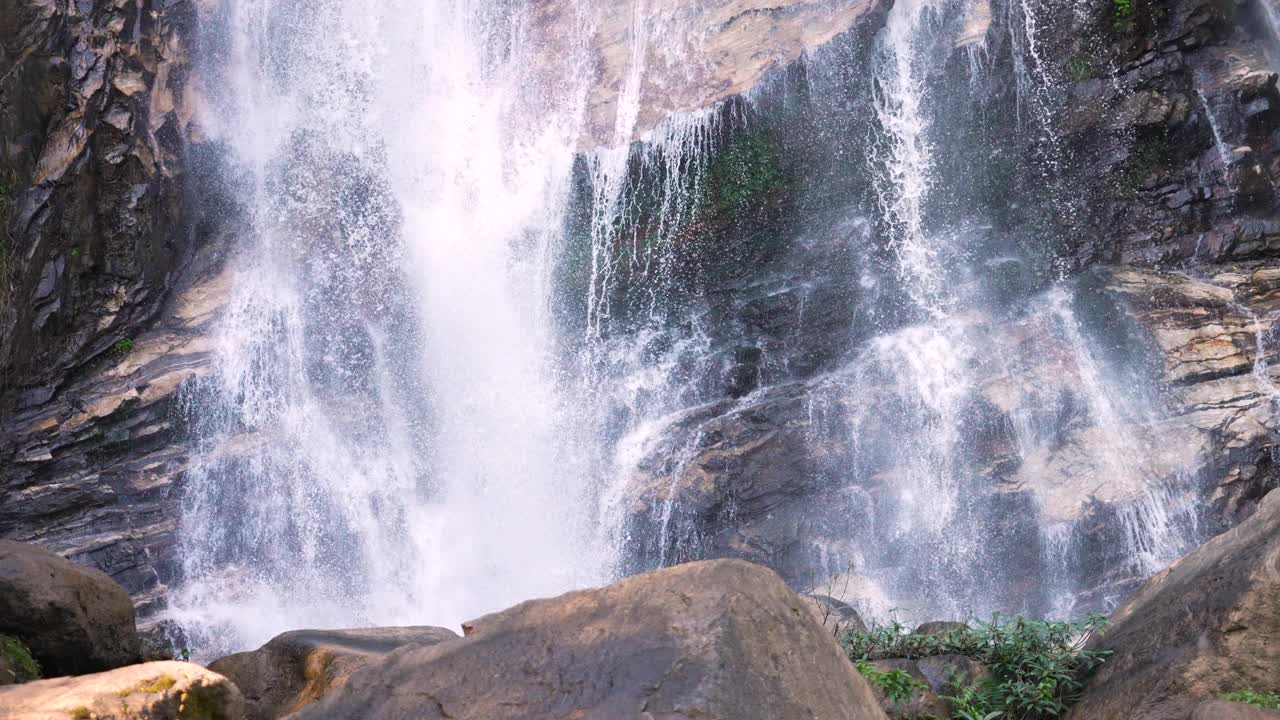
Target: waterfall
[384,439]
[1271,17]
[460,330]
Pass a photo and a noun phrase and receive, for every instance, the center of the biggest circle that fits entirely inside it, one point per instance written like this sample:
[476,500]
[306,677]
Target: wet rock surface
[1206,625]
[74,619]
[718,639]
[298,668]
[93,441]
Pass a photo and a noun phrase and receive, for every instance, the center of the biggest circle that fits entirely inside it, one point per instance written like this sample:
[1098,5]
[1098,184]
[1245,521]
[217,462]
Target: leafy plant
[1039,667]
[1123,12]
[1268,700]
[972,701]
[897,685]
[124,346]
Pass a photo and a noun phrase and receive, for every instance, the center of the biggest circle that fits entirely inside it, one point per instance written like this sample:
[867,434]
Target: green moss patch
[1268,700]
[158,685]
[18,657]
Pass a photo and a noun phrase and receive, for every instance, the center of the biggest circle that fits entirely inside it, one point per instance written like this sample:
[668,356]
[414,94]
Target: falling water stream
[408,423]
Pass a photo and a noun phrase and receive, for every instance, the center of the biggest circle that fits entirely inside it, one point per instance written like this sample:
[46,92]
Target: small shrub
[897,685]
[79,713]
[1039,666]
[1268,700]
[1123,15]
[124,346]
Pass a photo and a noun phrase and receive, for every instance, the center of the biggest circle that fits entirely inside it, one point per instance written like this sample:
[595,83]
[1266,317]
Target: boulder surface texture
[716,640]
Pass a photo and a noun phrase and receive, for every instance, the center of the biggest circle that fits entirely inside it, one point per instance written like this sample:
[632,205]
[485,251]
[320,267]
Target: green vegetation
[199,703]
[897,685]
[80,713]
[1079,68]
[19,659]
[124,346]
[1123,15]
[1149,153]
[1268,700]
[158,685]
[745,171]
[1038,667]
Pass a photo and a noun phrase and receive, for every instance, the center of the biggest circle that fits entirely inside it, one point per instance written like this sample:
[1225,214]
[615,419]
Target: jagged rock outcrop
[1206,625]
[74,619]
[661,57]
[95,110]
[158,691]
[298,668]
[1164,150]
[716,640]
[96,106]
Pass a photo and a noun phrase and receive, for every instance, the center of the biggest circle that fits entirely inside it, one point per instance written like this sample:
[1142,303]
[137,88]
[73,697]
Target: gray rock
[298,668]
[721,640]
[1206,625]
[74,619]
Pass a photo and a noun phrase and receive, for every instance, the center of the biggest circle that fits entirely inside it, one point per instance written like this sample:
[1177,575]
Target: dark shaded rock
[939,628]
[1208,624]
[297,668]
[714,640]
[155,691]
[74,619]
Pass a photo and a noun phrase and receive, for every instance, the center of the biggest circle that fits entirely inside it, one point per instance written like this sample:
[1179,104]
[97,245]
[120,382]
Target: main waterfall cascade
[456,340]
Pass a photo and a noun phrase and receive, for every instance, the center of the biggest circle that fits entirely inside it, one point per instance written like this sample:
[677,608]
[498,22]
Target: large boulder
[297,668]
[165,690]
[1208,624]
[74,619]
[717,640]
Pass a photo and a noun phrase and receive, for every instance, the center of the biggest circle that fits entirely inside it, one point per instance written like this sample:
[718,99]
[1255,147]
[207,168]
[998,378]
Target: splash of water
[384,440]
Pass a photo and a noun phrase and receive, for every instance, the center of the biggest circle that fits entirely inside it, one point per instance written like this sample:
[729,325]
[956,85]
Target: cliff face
[1164,143]
[96,101]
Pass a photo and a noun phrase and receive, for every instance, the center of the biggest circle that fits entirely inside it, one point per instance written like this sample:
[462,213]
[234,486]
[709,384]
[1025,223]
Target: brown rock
[1207,624]
[1223,710]
[74,619]
[156,691]
[297,668]
[712,640]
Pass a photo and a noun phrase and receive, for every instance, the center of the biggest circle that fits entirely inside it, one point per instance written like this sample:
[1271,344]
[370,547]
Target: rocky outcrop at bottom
[73,618]
[297,668]
[1206,625]
[719,640]
[156,691]
[1224,710]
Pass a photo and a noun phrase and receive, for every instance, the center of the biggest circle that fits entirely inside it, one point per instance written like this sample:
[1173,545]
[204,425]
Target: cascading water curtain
[383,439]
